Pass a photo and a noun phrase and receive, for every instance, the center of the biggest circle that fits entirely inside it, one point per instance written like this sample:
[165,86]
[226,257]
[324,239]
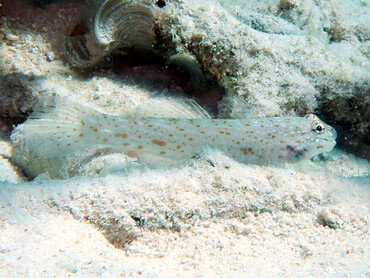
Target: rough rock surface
[283,58]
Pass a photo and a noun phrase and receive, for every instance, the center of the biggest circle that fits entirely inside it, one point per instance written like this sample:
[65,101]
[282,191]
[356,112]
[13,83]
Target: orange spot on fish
[244,150]
[121,135]
[159,143]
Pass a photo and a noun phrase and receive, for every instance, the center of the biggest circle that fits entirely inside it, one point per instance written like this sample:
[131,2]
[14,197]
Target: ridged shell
[83,51]
[117,24]
[187,63]
[126,24]
[125,21]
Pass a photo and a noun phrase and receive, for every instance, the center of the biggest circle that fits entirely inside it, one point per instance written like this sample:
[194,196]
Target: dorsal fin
[170,108]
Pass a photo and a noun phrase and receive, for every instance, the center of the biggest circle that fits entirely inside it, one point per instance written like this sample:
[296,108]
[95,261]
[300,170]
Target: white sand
[212,218]
[223,220]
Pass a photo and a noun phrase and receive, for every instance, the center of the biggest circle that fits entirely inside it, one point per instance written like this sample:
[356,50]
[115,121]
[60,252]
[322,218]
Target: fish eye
[317,127]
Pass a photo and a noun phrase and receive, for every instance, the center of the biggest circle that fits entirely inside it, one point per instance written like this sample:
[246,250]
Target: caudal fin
[52,129]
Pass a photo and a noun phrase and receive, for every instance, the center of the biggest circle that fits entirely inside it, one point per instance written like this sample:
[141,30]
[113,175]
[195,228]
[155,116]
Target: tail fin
[53,129]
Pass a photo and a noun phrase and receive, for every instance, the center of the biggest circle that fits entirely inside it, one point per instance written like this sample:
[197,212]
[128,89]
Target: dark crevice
[153,72]
[351,120]
[43,3]
[161,3]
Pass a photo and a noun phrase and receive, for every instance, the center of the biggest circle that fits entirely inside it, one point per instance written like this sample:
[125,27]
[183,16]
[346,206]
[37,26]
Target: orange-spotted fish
[162,133]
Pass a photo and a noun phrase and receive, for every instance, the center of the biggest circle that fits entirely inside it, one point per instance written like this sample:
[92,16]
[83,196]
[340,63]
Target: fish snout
[332,133]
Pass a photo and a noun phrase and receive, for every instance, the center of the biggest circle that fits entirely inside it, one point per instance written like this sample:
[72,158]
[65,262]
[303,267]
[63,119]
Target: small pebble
[50,55]
[12,37]
[329,219]
[14,67]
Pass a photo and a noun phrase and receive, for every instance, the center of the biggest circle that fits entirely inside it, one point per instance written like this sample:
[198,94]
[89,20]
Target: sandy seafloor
[213,217]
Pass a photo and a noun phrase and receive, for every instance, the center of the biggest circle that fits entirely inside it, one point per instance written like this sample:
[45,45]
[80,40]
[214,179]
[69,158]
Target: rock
[12,37]
[16,98]
[50,55]
[328,219]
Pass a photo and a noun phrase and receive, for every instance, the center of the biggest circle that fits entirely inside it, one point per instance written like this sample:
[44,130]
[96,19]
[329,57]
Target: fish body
[160,140]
